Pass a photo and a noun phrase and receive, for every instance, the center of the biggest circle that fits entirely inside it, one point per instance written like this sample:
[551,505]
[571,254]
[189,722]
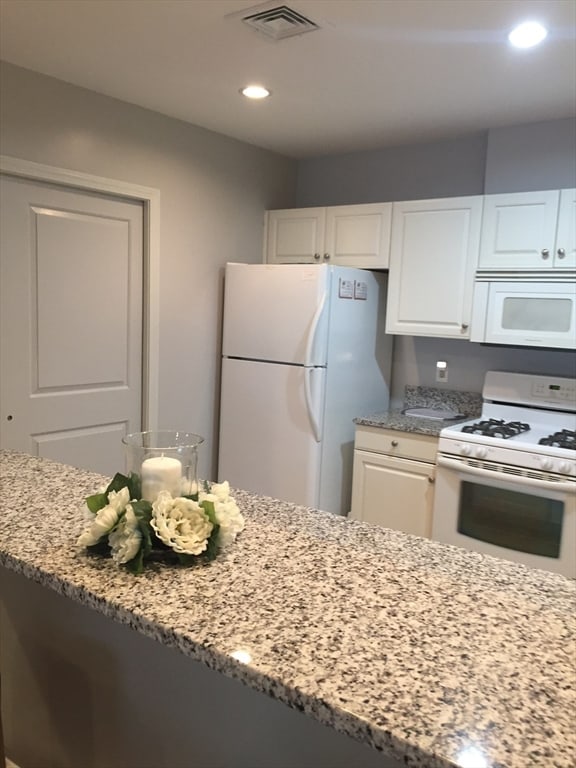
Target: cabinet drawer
[394,443]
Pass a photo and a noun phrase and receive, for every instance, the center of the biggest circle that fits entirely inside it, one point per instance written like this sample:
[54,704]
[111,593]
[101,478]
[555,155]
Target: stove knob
[546,464]
[481,452]
[564,467]
[465,449]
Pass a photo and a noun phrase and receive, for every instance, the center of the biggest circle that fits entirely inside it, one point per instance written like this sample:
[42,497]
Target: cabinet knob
[326,256]
[394,443]
[561,253]
[317,256]
[545,253]
[464,326]
[9,417]
[431,479]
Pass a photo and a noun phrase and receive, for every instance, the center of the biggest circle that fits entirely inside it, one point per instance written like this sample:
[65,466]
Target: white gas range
[506,481]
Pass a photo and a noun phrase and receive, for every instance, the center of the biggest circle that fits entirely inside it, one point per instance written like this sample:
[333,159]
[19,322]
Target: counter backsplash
[466,403]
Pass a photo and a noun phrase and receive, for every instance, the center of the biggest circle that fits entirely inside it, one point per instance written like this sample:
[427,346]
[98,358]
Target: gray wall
[418,171]
[214,191]
[519,158]
[529,157]
[415,358]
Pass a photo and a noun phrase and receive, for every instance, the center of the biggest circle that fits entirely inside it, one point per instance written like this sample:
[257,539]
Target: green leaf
[118,482]
[212,548]
[96,502]
[100,548]
[187,560]
[135,486]
[208,507]
[143,513]
[136,565]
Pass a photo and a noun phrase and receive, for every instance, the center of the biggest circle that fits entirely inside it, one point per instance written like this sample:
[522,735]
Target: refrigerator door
[267,441]
[276,312]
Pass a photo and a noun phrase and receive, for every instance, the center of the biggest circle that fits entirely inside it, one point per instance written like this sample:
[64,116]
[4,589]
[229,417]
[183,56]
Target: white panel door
[295,236]
[71,323]
[267,444]
[433,258]
[394,493]
[358,235]
[271,310]
[565,255]
[519,230]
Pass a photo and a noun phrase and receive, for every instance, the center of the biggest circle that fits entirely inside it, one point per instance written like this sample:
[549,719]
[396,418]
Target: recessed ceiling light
[528,34]
[255,92]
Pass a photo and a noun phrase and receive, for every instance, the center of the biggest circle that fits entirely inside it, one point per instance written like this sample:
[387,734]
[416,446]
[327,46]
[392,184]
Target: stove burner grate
[566,438]
[497,428]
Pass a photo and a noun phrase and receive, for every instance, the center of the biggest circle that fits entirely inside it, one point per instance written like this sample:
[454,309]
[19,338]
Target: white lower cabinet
[393,481]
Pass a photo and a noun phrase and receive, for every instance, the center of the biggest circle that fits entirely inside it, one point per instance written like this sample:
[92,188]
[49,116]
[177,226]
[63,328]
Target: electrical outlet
[442,371]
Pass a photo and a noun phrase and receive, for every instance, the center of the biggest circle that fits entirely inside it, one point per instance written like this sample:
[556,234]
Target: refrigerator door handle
[313,330]
[308,373]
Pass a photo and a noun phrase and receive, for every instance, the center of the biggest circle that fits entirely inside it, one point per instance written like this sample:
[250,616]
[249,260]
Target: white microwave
[524,313]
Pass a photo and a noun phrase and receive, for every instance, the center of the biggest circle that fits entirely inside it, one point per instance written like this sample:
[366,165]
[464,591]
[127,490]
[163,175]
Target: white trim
[150,198]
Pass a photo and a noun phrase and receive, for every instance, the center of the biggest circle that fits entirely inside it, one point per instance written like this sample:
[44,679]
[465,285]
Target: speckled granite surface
[427,652]
[469,404]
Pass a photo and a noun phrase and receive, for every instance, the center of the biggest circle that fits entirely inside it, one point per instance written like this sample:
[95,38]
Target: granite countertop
[468,404]
[427,652]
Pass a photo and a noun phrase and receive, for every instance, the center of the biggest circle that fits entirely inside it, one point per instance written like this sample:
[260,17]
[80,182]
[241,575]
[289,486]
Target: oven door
[530,520]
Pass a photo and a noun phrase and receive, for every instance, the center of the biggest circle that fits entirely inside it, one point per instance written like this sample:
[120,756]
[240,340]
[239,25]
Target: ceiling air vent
[280,22]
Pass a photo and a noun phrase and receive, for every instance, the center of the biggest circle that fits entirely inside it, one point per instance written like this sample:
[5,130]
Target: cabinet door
[358,235]
[295,236]
[519,231]
[565,255]
[433,259]
[395,493]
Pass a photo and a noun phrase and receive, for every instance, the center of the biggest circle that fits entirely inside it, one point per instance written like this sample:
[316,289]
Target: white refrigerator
[304,351]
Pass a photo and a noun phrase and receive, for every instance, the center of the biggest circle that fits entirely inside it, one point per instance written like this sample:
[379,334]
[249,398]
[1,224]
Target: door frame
[150,199]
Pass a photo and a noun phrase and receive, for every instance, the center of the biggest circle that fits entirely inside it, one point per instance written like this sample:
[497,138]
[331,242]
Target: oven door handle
[532,482]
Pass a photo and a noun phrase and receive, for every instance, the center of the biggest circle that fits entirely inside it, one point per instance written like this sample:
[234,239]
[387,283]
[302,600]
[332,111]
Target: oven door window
[511,519]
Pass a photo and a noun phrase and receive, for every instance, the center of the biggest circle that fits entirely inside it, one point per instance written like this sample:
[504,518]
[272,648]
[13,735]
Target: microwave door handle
[531,482]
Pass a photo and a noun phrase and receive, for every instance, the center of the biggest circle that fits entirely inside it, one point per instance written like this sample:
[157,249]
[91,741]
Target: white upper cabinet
[529,230]
[565,253]
[295,236]
[433,258]
[346,235]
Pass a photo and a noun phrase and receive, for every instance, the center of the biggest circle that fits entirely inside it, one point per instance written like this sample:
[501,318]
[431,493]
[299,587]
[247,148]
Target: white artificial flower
[126,539]
[226,511]
[181,524]
[221,490]
[105,519]
[118,499]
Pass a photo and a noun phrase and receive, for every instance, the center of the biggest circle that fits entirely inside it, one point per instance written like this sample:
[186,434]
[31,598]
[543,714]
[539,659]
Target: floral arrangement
[182,530]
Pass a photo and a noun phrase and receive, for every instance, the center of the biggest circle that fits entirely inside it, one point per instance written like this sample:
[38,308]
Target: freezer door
[267,441]
[276,312]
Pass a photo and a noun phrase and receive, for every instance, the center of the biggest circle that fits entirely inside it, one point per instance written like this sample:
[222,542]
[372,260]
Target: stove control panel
[558,391]
[554,392]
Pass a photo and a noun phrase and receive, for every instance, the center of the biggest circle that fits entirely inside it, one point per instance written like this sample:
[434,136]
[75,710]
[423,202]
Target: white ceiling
[377,73]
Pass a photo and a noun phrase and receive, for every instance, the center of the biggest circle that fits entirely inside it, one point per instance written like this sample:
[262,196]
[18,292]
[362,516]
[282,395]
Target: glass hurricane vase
[165,460]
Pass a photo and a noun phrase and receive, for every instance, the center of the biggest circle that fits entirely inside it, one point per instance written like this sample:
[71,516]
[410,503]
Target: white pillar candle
[160,473]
